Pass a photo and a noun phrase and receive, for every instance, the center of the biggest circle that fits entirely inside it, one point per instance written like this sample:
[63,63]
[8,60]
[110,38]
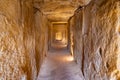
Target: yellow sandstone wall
[23,37]
[97,39]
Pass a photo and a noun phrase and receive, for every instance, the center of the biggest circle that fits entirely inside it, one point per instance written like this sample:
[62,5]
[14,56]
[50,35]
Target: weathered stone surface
[12,58]
[41,37]
[59,10]
[21,36]
[98,36]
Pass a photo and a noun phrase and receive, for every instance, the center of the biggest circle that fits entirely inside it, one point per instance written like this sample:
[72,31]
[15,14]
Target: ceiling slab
[59,10]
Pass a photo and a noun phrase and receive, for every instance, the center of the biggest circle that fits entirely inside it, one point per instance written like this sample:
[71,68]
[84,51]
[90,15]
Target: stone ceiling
[59,10]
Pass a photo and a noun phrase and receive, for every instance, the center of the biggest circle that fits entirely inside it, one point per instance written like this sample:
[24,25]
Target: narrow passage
[59,65]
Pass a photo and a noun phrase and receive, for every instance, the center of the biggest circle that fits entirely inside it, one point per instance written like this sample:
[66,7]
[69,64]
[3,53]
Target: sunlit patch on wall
[69,58]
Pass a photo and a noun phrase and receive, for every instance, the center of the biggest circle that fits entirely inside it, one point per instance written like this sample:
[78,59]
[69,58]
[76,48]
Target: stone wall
[41,30]
[96,39]
[22,39]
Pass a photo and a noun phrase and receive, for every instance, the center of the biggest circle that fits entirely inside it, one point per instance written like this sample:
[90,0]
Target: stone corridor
[59,39]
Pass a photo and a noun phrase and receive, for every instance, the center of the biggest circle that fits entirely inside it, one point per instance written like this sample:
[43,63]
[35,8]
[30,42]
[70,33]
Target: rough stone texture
[12,58]
[19,34]
[96,39]
[27,13]
[41,27]
[59,10]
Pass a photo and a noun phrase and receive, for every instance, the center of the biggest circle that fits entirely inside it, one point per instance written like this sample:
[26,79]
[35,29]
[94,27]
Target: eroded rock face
[12,58]
[21,36]
[96,39]
[41,37]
